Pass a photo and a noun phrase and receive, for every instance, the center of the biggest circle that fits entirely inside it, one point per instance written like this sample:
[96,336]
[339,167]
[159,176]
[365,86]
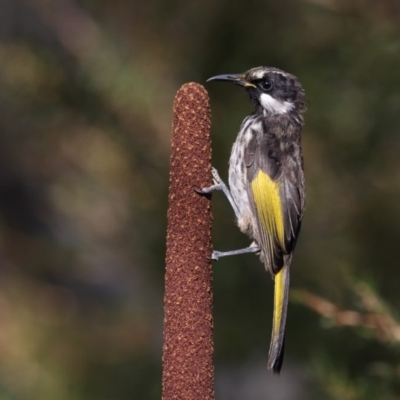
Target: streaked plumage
[267,182]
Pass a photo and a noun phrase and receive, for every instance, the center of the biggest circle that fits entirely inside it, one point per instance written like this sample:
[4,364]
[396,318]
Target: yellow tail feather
[276,349]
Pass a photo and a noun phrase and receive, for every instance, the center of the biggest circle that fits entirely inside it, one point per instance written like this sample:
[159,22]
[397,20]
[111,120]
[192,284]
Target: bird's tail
[276,349]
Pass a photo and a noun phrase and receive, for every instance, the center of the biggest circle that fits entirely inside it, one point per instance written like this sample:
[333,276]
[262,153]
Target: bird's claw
[216,183]
[215,175]
[202,191]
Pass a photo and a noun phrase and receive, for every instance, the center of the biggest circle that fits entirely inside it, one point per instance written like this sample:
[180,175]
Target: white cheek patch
[275,106]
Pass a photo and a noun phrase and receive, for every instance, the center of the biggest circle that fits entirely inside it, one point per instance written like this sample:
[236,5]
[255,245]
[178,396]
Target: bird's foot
[217,183]
[216,255]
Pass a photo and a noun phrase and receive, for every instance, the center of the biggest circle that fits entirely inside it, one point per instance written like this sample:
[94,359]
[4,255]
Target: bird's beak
[238,79]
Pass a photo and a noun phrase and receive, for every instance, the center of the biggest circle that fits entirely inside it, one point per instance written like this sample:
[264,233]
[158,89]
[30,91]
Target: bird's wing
[275,199]
[278,204]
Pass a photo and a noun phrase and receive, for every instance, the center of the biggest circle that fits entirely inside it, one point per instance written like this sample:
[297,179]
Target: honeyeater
[266,181]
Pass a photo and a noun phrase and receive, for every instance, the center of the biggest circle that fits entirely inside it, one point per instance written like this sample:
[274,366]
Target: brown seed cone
[188,372]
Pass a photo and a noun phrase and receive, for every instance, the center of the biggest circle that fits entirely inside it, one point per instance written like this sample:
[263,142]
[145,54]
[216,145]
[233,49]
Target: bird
[266,182]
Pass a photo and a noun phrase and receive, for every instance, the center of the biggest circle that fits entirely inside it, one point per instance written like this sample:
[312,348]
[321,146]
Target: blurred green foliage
[86,92]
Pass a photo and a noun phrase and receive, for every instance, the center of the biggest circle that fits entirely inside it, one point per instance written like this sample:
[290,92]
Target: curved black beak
[228,77]
[238,79]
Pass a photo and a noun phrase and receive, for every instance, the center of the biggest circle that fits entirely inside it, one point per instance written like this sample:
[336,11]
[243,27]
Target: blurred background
[86,92]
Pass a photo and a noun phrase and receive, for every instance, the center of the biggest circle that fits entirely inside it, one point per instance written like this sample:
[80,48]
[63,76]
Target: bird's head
[272,90]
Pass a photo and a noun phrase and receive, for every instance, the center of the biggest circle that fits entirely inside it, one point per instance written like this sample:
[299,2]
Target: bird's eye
[266,85]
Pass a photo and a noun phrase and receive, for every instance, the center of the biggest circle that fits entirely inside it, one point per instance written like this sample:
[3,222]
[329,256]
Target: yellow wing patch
[266,195]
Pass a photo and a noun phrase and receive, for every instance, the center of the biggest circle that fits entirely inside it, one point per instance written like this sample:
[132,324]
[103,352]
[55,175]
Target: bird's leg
[216,255]
[219,184]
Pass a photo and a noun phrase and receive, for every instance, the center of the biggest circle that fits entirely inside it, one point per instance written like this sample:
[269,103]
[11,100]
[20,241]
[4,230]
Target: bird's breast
[238,180]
